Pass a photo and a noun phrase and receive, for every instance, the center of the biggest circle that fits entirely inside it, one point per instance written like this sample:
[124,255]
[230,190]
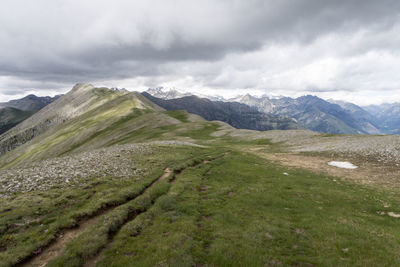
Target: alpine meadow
[199,133]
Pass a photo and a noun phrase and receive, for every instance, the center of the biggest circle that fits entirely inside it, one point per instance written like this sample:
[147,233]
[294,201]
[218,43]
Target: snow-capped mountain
[167,93]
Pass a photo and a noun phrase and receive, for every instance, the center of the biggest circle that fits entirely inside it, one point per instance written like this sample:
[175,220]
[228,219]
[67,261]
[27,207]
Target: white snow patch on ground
[394,215]
[342,164]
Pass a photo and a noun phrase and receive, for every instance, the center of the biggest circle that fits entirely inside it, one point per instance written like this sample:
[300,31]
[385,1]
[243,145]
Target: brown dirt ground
[368,172]
[57,247]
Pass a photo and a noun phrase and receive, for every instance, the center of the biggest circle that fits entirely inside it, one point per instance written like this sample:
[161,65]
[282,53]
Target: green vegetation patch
[244,211]
[180,115]
[30,221]
[203,131]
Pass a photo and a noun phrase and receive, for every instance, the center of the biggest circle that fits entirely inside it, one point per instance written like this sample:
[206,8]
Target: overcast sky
[342,49]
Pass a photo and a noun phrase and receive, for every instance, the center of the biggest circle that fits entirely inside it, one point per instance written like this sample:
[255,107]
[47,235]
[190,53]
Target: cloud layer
[346,49]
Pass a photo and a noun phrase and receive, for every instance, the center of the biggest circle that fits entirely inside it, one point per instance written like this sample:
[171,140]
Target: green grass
[242,211]
[29,221]
[180,115]
[203,133]
[96,237]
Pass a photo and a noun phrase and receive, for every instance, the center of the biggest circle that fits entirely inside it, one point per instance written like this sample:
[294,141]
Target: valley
[111,178]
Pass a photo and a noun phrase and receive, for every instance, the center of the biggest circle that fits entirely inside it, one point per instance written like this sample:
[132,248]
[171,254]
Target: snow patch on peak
[167,93]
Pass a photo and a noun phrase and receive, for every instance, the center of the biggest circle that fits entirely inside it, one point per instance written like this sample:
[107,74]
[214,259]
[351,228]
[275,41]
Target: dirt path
[166,173]
[92,262]
[59,245]
[56,248]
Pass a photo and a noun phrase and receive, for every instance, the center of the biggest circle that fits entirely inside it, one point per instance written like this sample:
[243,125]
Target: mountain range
[244,112]
[236,114]
[103,177]
[317,114]
[314,113]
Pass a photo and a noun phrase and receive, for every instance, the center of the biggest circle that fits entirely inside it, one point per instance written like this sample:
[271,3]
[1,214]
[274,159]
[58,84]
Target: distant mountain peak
[168,93]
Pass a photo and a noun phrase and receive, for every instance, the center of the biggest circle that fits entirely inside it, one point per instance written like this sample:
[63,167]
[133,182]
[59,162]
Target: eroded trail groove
[93,261]
[56,248]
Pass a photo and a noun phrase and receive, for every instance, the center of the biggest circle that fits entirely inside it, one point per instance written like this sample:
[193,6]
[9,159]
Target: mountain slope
[367,122]
[85,118]
[9,117]
[82,98]
[387,117]
[237,115]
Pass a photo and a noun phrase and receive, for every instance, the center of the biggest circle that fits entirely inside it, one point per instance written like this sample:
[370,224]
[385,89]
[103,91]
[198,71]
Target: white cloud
[348,49]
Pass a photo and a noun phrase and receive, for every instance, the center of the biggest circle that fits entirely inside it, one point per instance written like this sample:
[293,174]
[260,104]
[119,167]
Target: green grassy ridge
[97,236]
[242,211]
[71,134]
[108,130]
[118,121]
[58,209]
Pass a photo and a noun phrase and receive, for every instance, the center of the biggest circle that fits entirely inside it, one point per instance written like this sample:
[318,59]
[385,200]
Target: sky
[342,49]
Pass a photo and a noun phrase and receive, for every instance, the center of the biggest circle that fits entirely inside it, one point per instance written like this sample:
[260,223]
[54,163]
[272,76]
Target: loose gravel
[117,162]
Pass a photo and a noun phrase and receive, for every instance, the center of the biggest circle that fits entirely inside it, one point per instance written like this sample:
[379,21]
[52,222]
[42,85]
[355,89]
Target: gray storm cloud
[290,45]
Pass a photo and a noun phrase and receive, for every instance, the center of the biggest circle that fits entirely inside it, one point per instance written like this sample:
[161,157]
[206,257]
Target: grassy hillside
[128,184]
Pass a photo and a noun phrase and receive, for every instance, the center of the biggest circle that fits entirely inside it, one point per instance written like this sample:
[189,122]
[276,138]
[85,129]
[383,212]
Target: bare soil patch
[367,173]
[57,247]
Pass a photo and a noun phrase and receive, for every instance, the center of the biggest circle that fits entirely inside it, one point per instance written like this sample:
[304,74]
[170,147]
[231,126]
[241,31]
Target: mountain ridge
[30,102]
[238,115]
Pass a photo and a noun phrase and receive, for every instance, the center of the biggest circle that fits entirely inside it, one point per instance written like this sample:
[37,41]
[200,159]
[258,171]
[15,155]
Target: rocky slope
[82,98]
[84,119]
[237,115]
